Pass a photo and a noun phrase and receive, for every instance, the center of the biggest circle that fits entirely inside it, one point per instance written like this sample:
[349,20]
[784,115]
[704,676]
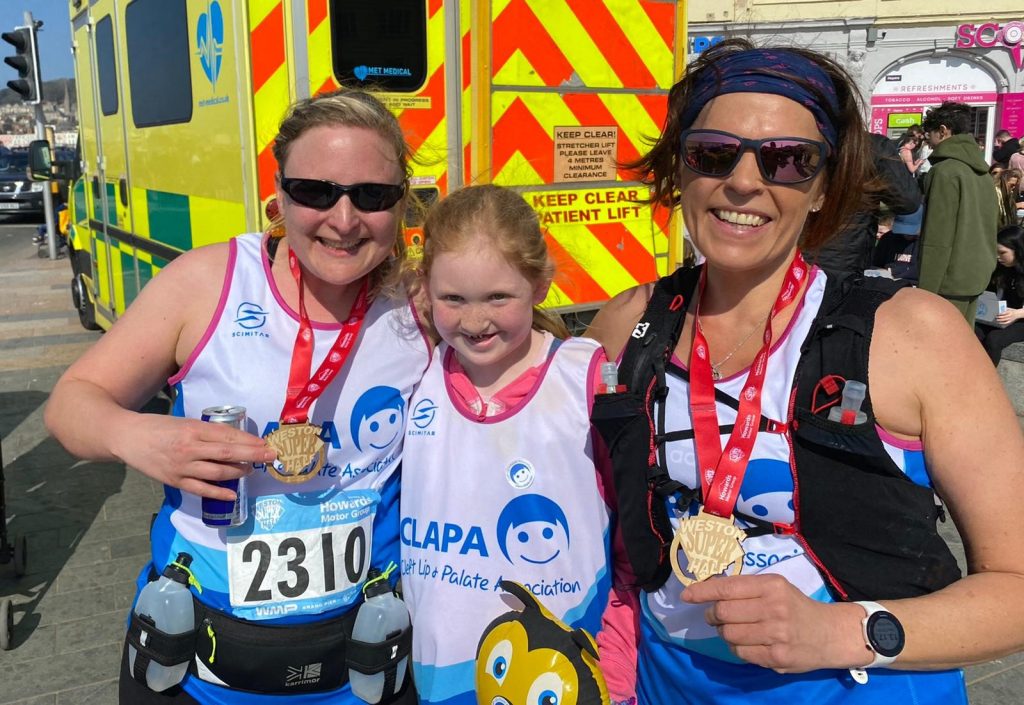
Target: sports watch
[883,634]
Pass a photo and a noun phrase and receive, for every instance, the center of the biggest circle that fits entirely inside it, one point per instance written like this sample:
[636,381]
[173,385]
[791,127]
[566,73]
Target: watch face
[885,634]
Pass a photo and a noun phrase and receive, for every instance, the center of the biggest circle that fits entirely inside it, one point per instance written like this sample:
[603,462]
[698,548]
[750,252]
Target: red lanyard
[304,389]
[721,473]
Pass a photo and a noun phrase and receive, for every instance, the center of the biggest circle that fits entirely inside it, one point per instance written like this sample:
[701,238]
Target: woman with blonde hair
[304,331]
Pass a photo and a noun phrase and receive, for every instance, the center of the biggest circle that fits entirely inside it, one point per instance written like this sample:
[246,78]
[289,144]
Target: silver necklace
[715,367]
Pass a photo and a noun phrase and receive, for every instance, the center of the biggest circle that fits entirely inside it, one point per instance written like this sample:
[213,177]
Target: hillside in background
[53,92]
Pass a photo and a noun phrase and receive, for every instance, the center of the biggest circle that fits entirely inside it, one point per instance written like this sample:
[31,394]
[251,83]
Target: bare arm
[935,381]
[92,410]
[929,379]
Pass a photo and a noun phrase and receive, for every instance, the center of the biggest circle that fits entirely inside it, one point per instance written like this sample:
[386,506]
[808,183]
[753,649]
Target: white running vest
[306,548]
[513,497]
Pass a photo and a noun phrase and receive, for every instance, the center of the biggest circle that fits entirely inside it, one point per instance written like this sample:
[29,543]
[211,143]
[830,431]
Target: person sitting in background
[1008,284]
[897,249]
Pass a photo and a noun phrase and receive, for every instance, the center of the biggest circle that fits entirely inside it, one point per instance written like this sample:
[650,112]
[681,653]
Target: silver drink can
[220,512]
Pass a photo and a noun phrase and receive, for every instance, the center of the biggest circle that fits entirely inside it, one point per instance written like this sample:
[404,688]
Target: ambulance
[179,102]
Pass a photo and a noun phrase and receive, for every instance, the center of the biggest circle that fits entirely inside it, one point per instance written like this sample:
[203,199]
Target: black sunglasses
[782,160]
[321,195]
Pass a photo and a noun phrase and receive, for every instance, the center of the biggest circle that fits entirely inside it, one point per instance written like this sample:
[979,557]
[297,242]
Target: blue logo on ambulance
[378,418]
[210,41]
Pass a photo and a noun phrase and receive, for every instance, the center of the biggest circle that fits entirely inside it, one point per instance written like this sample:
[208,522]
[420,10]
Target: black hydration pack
[869,530]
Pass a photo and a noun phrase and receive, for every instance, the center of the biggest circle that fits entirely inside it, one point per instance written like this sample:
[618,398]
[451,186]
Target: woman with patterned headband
[779,511]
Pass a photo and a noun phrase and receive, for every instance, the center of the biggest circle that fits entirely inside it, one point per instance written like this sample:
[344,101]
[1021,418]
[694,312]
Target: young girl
[499,481]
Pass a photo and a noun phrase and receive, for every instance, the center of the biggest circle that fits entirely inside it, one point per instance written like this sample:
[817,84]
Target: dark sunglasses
[321,195]
[782,160]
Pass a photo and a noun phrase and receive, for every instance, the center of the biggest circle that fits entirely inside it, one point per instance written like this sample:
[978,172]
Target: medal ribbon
[304,389]
[721,473]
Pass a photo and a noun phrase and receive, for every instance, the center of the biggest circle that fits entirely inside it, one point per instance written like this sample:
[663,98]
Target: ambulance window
[106,66]
[159,59]
[381,44]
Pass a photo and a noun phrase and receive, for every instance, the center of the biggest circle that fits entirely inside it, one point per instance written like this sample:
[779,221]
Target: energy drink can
[220,512]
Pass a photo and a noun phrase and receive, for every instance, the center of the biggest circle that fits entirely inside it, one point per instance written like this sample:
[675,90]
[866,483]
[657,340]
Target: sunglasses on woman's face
[321,195]
[782,160]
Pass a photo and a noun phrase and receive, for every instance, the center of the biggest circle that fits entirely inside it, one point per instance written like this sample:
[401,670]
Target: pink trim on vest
[265,256]
[212,325]
[901,443]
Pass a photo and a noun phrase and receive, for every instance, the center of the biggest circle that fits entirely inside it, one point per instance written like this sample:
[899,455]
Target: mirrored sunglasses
[782,160]
[321,195]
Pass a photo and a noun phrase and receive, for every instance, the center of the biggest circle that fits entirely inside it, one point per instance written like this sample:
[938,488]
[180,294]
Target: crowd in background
[956,240]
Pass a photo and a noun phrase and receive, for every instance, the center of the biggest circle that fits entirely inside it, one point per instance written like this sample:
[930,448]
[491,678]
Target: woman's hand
[191,455]
[767,621]
[1009,316]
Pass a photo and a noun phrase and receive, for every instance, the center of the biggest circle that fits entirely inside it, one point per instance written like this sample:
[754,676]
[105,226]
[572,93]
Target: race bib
[300,559]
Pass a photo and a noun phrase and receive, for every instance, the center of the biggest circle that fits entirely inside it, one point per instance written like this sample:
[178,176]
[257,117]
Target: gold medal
[300,452]
[711,545]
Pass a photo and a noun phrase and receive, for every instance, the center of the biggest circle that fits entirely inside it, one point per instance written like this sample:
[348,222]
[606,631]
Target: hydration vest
[869,530]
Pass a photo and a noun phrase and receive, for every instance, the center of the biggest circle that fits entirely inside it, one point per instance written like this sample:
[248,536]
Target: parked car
[17,193]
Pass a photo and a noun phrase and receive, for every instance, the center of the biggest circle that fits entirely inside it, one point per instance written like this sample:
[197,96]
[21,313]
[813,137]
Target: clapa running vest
[346,518]
[513,497]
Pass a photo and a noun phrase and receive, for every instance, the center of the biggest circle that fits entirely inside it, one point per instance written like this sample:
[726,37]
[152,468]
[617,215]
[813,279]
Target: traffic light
[26,62]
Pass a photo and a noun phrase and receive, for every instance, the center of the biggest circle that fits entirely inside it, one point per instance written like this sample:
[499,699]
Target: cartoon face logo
[378,418]
[250,316]
[520,474]
[767,491]
[532,529]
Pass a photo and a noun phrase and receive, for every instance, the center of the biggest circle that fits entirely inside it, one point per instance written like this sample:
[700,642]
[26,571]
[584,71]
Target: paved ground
[86,523]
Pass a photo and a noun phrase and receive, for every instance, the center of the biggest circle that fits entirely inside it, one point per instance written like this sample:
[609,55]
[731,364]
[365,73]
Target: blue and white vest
[349,510]
[681,658]
[513,497]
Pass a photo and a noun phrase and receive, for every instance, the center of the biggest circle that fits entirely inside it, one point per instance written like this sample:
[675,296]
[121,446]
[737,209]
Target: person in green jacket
[958,239]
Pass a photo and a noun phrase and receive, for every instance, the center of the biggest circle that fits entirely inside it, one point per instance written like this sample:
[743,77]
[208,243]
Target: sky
[54,36]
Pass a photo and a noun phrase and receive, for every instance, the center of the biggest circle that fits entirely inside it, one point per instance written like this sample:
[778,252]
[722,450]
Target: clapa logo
[423,413]
[250,316]
[210,41]
[532,529]
[378,417]
[520,474]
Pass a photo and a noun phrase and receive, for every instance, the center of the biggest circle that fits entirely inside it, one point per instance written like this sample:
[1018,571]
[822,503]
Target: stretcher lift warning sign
[585,153]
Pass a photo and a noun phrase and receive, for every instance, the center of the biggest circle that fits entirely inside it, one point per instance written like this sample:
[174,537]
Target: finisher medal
[710,544]
[301,453]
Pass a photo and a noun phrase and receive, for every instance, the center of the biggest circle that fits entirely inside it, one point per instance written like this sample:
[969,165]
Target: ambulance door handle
[122,187]
[95,187]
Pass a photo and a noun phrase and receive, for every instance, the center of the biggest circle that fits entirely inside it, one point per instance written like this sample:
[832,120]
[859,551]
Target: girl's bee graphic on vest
[529,656]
